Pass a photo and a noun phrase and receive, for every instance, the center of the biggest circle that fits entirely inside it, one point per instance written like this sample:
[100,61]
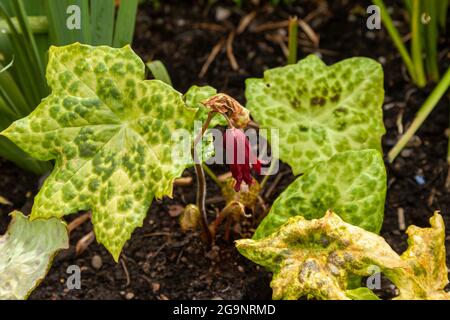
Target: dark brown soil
[161,262]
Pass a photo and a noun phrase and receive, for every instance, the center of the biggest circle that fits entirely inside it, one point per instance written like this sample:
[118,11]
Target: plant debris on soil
[162,262]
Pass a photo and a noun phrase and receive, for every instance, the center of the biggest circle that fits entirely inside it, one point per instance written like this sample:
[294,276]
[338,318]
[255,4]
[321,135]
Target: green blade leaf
[59,16]
[320,110]
[26,253]
[111,135]
[316,258]
[102,21]
[159,71]
[125,23]
[352,184]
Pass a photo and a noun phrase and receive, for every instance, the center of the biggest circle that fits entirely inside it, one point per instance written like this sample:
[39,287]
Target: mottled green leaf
[193,99]
[26,253]
[320,110]
[111,134]
[316,258]
[361,294]
[351,183]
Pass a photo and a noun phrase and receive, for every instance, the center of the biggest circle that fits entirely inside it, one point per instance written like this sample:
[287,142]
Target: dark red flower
[240,157]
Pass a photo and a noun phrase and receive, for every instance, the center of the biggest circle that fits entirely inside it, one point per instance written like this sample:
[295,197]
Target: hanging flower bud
[240,157]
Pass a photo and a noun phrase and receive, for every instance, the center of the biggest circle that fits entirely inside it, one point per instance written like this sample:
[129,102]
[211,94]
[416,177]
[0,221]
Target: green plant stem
[431,33]
[421,115]
[269,173]
[211,174]
[293,40]
[395,36]
[416,44]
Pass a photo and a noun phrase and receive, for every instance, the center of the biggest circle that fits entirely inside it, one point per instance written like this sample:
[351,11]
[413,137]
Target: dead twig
[274,185]
[279,39]
[84,243]
[230,54]
[271,26]
[245,21]
[214,52]
[399,121]
[78,221]
[401,219]
[125,270]
[156,234]
[183,182]
[314,37]
[209,26]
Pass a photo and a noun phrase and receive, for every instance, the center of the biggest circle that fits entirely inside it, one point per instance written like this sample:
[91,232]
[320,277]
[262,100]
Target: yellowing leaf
[315,258]
[26,252]
[110,133]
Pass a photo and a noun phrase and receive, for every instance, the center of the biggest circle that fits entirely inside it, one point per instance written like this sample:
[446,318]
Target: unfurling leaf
[320,110]
[352,184]
[315,258]
[26,253]
[190,218]
[111,134]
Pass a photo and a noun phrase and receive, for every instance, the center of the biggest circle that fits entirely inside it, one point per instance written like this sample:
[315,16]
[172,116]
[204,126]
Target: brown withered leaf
[315,258]
[224,104]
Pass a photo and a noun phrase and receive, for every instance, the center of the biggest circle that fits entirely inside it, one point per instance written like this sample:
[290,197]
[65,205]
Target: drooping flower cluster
[240,157]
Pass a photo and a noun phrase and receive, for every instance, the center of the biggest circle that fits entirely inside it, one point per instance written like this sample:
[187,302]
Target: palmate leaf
[316,258]
[26,252]
[111,135]
[320,110]
[351,183]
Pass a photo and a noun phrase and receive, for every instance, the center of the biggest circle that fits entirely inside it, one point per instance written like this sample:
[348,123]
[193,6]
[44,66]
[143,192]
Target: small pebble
[406,153]
[129,295]
[241,269]
[155,287]
[222,14]
[97,262]
[419,179]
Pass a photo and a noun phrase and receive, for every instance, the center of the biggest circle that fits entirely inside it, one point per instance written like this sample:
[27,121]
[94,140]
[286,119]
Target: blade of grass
[33,53]
[23,63]
[38,24]
[10,151]
[159,71]
[432,36]
[125,24]
[421,115]
[443,10]
[102,21]
[57,12]
[293,40]
[416,43]
[395,36]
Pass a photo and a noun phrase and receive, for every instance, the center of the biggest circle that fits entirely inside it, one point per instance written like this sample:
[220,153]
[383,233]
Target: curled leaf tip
[224,104]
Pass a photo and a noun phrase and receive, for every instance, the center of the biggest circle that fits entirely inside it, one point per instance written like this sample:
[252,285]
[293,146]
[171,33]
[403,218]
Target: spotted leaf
[316,258]
[320,110]
[110,133]
[26,252]
[351,183]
